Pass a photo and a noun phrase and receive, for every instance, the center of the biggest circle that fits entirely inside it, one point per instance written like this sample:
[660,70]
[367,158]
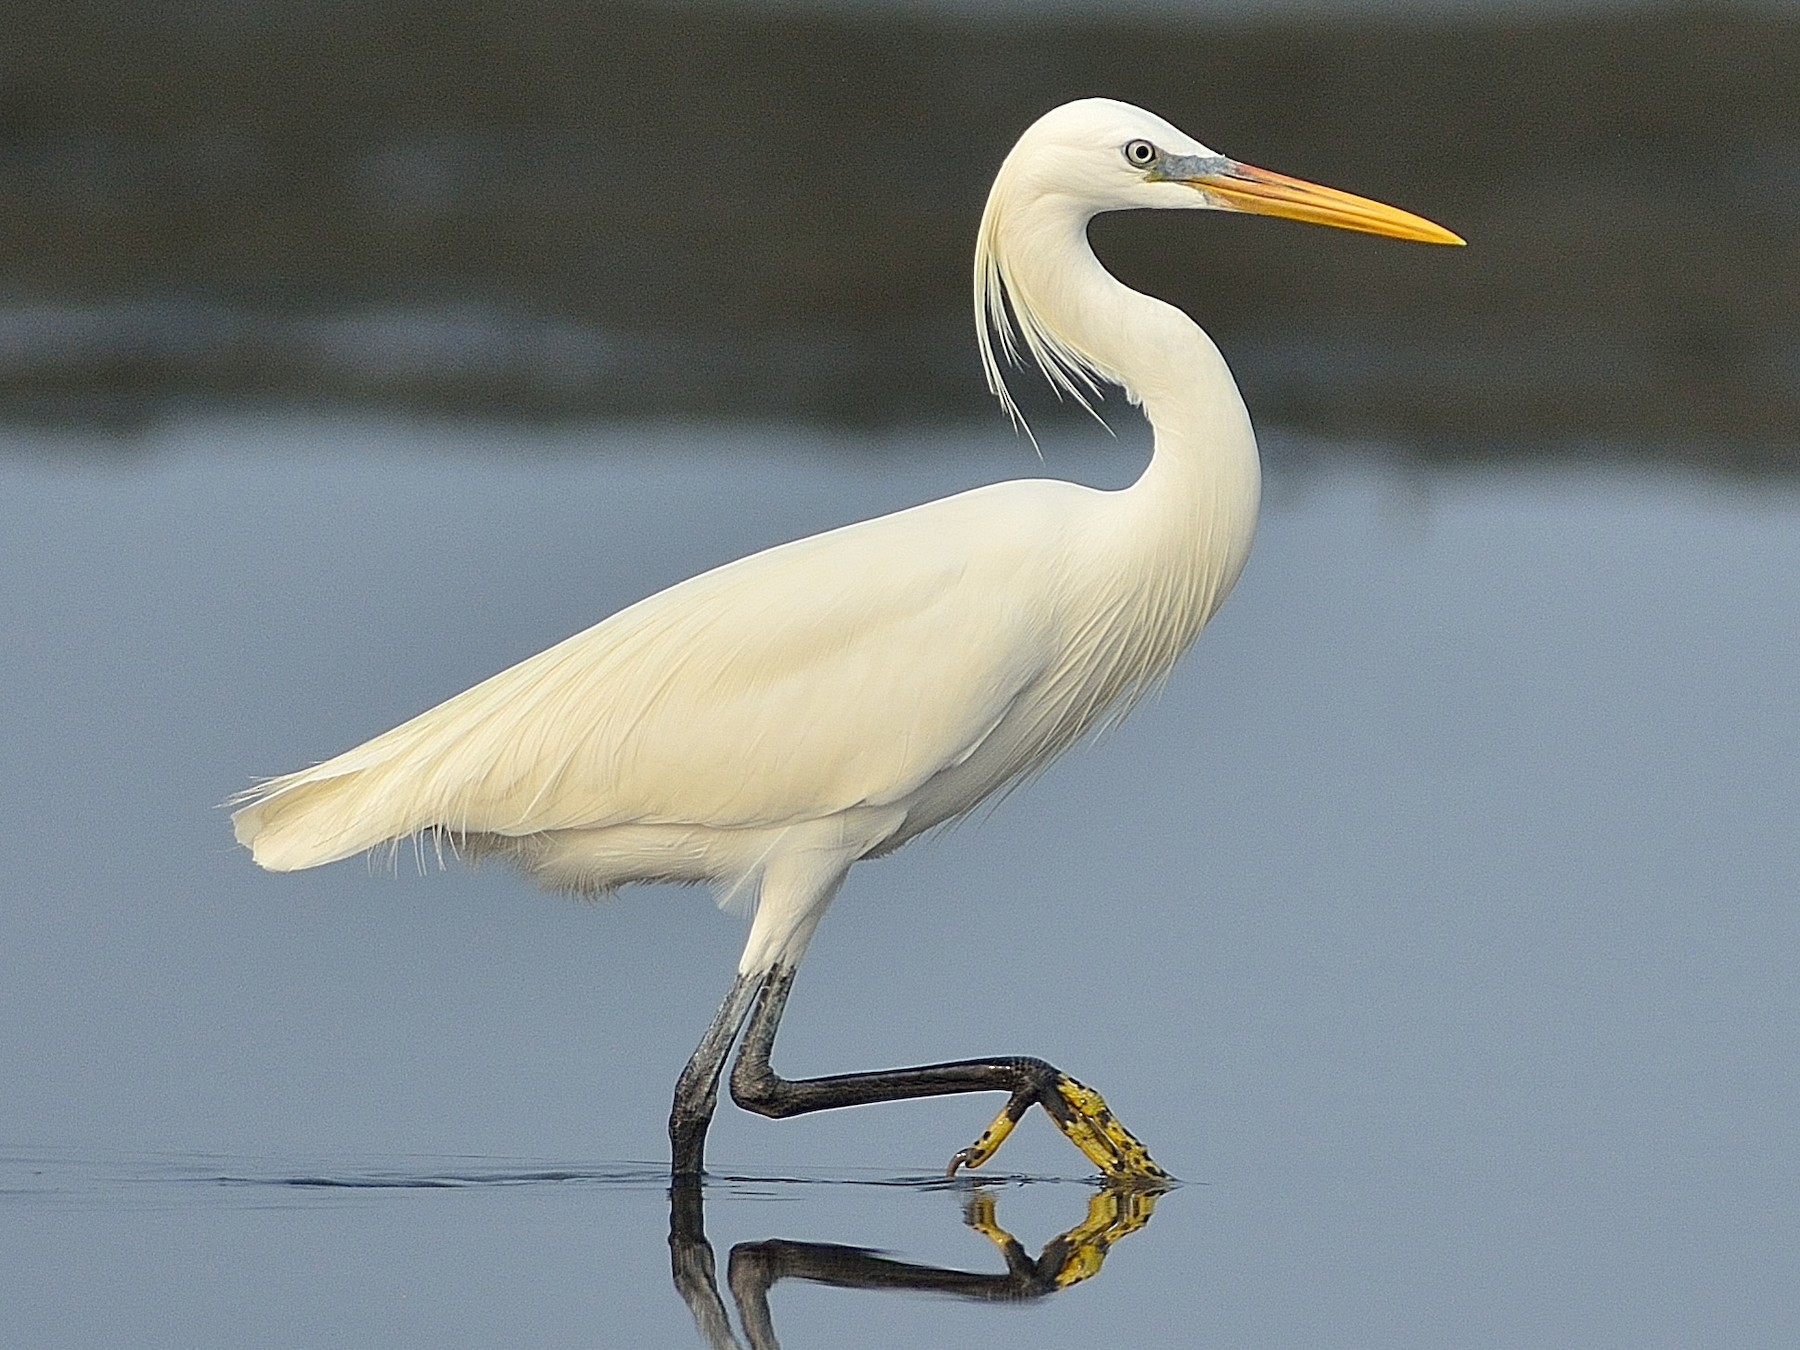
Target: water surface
[1437,926]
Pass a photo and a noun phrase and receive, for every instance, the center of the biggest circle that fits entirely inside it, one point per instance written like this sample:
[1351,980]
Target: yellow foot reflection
[1083,1115]
[754,1268]
[1113,1213]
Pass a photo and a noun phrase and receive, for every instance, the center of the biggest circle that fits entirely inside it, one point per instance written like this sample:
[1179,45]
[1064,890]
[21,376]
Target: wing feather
[841,669]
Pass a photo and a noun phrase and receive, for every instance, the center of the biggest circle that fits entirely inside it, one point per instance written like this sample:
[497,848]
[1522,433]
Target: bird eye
[1140,154]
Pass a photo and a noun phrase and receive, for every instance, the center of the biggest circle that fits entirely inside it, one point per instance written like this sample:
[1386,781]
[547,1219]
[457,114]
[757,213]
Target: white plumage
[840,694]
[765,725]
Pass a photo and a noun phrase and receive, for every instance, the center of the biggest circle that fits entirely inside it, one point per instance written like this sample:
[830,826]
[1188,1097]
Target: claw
[1083,1115]
[991,1138]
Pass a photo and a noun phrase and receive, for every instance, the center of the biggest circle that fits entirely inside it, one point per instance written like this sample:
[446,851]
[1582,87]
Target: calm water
[1458,870]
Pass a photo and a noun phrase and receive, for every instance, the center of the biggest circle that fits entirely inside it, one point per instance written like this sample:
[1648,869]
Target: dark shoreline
[560,210]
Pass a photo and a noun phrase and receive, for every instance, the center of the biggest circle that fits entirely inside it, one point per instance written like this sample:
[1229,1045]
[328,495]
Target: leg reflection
[691,1263]
[756,1267]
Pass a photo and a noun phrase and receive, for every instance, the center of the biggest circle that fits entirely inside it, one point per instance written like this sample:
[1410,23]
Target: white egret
[765,725]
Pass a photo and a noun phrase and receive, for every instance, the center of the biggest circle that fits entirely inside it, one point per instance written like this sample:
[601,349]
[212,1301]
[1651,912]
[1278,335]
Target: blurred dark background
[555,209]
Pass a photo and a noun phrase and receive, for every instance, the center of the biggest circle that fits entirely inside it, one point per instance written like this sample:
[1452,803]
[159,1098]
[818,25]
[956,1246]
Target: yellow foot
[1083,1115]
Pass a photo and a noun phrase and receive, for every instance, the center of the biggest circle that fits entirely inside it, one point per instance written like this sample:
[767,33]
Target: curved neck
[1201,489]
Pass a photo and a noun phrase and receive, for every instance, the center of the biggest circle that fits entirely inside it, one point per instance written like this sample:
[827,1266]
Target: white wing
[844,669]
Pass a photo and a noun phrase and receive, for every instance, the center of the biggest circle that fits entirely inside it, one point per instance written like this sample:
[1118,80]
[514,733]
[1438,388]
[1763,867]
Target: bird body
[767,724]
[846,692]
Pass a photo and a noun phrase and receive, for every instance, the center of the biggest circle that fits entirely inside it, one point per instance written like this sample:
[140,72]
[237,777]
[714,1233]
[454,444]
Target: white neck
[1191,514]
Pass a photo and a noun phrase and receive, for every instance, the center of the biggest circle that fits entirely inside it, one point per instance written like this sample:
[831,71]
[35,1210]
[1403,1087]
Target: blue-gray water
[1438,925]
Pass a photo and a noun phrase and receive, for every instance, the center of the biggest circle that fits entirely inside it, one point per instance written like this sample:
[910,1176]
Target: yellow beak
[1243,187]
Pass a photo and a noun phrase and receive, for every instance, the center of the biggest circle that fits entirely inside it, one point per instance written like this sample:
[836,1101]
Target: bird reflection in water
[754,1268]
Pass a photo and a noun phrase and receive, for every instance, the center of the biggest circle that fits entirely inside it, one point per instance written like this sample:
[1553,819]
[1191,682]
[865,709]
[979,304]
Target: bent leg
[1079,1111]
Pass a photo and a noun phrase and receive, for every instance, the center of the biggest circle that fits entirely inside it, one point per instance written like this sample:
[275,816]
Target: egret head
[1111,156]
[1096,155]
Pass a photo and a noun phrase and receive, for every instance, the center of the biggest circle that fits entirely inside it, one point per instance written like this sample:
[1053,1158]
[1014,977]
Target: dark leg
[697,1090]
[1078,1110]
